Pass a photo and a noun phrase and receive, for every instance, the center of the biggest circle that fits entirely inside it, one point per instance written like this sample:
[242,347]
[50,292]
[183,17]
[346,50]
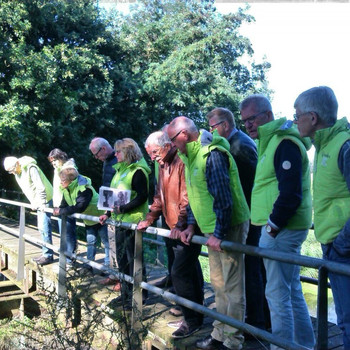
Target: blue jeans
[44,227]
[71,236]
[290,319]
[340,288]
[91,239]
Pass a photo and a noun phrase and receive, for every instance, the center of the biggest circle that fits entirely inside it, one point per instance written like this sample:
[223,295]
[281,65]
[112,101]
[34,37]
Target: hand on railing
[102,219]
[187,234]
[142,225]
[175,233]
[214,243]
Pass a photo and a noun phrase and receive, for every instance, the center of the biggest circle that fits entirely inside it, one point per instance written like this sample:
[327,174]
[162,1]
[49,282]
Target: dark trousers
[254,286]
[125,250]
[170,244]
[187,278]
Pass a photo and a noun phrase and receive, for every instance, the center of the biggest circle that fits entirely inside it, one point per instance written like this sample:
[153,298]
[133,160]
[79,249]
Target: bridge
[19,243]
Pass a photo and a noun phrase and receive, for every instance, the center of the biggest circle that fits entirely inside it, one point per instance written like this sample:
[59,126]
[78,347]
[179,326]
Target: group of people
[224,185]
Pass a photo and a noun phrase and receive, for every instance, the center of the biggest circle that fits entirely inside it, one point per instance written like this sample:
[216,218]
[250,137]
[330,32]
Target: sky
[307,44]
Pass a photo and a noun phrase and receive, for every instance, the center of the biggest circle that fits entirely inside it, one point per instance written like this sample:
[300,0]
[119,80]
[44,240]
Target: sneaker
[185,331]
[175,324]
[44,260]
[37,258]
[176,311]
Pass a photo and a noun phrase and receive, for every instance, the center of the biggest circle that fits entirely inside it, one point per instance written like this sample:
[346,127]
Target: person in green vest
[80,197]
[281,206]
[38,189]
[316,117]
[57,158]
[218,207]
[131,176]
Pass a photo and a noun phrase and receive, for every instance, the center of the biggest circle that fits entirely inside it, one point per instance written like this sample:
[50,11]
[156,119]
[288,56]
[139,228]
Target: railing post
[62,259]
[322,309]
[137,290]
[21,244]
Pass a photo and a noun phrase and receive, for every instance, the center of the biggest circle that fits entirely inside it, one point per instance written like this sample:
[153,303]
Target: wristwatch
[271,231]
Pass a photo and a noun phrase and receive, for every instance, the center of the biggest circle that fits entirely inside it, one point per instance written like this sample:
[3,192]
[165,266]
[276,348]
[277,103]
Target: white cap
[10,163]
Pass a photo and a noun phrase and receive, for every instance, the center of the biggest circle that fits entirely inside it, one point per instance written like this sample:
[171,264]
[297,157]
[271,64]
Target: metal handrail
[322,265]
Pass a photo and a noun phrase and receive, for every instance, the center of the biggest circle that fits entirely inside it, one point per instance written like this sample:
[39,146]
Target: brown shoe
[108,282]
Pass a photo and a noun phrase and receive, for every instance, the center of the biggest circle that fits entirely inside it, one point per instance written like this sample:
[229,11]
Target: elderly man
[104,152]
[243,150]
[171,200]
[217,205]
[38,190]
[316,116]
[281,204]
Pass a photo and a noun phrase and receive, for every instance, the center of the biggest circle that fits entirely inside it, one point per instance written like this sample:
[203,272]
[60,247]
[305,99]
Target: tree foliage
[69,71]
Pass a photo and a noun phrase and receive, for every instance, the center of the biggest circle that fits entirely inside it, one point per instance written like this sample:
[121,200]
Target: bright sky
[307,45]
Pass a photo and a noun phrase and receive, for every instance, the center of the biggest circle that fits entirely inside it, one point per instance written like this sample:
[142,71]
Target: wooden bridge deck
[156,307]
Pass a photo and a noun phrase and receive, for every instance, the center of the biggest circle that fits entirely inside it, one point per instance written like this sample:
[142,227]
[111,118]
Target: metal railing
[323,267]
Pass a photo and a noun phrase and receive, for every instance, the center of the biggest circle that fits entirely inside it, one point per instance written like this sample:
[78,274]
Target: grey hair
[260,101]
[223,114]
[99,142]
[183,123]
[158,138]
[321,100]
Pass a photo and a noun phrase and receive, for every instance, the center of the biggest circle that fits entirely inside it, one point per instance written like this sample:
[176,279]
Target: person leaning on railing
[281,205]
[57,158]
[80,197]
[38,190]
[316,116]
[217,205]
[131,174]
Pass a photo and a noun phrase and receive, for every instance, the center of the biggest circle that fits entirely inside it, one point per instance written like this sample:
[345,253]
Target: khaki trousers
[227,279]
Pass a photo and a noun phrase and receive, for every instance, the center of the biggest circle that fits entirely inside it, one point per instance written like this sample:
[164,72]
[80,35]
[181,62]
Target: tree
[187,58]
[55,83]
[69,72]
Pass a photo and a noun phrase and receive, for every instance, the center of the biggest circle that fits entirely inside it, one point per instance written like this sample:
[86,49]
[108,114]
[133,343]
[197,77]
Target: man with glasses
[171,200]
[38,190]
[104,152]
[218,207]
[316,117]
[281,205]
[243,150]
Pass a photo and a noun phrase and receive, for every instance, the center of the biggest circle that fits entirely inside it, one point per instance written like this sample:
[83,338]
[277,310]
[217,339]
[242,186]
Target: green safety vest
[122,180]
[265,190]
[70,194]
[200,200]
[28,187]
[331,194]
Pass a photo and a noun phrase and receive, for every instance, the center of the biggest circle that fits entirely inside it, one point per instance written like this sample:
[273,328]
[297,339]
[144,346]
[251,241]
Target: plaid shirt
[218,184]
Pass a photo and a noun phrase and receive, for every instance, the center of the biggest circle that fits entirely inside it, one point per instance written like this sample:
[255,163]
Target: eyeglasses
[96,154]
[297,116]
[214,126]
[251,119]
[155,151]
[174,138]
